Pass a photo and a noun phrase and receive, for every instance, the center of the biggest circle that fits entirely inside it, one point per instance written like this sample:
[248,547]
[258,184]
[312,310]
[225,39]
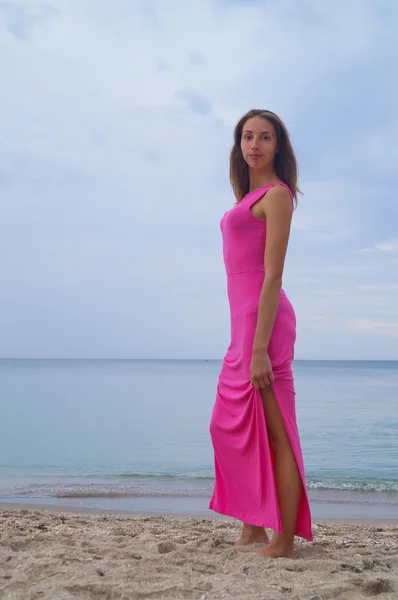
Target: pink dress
[244,478]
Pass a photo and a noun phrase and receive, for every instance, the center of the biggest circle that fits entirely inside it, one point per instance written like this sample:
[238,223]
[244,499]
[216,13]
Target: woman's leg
[288,480]
[252,535]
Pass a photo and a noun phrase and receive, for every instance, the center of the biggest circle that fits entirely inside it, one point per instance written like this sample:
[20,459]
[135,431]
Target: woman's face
[258,143]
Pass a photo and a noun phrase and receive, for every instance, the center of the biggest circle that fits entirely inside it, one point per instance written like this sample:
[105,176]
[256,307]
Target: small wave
[120,495]
[353,500]
[167,476]
[134,484]
[353,486]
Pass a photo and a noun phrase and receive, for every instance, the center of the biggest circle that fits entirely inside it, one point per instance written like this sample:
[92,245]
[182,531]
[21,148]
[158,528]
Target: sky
[116,121]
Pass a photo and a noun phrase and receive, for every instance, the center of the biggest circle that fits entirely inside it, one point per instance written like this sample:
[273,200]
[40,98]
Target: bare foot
[252,535]
[277,551]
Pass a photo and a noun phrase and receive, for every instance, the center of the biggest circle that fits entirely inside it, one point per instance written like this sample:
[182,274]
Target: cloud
[379,288]
[196,59]
[19,19]
[117,123]
[195,102]
[374,326]
[388,246]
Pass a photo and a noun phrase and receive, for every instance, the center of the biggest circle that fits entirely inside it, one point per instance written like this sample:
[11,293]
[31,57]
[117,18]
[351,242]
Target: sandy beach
[59,555]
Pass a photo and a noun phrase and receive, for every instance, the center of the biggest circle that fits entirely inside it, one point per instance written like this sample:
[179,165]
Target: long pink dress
[245,485]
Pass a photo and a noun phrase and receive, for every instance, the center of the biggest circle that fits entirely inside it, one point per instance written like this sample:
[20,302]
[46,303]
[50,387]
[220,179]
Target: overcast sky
[116,120]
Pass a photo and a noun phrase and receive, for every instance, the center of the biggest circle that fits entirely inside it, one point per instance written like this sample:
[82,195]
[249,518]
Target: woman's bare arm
[276,207]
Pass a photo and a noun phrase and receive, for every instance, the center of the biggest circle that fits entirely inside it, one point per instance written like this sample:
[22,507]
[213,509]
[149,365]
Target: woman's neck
[260,179]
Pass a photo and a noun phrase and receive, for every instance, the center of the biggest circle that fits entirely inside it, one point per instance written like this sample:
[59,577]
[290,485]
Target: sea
[133,435]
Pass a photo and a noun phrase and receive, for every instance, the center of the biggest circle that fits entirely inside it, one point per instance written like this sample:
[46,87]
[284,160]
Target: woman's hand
[261,373]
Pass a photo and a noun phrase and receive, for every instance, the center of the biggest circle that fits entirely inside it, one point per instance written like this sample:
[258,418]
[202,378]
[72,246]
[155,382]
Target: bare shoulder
[276,201]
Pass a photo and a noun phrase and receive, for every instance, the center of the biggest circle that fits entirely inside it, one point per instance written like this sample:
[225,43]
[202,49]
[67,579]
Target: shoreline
[321,507]
[209,515]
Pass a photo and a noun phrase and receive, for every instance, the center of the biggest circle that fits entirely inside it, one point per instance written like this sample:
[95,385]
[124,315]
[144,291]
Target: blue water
[133,434]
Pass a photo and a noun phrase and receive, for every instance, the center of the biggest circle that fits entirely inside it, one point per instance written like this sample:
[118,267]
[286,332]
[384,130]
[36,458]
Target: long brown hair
[285,160]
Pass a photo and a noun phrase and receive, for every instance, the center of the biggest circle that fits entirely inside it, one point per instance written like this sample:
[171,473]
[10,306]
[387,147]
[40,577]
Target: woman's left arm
[276,207]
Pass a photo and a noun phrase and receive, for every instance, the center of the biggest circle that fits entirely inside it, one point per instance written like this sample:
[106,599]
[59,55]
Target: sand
[47,554]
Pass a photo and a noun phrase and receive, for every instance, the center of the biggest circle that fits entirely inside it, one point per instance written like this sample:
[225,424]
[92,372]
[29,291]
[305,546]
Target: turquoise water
[133,434]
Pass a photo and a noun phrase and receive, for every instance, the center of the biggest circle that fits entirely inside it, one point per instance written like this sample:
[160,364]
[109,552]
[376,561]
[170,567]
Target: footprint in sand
[377,587]
[166,547]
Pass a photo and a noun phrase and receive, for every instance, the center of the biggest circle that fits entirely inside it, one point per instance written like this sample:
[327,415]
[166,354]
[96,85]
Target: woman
[259,470]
